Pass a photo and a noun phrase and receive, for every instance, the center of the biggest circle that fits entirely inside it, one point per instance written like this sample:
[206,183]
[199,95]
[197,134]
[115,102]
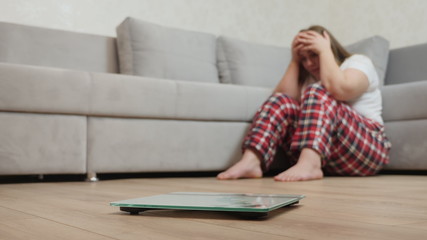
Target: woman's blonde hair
[338,50]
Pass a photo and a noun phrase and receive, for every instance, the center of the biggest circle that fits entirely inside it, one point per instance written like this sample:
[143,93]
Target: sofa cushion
[244,63]
[219,101]
[142,97]
[132,96]
[38,46]
[151,50]
[58,91]
[407,64]
[400,101]
[377,49]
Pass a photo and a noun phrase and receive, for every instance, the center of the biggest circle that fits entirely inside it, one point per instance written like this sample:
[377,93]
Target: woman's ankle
[311,157]
[249,166]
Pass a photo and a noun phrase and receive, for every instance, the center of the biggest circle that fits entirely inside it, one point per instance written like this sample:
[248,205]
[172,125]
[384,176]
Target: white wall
[264,21]
[402,22]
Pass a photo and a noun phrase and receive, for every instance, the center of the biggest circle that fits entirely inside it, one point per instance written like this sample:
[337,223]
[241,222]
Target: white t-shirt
[370,103]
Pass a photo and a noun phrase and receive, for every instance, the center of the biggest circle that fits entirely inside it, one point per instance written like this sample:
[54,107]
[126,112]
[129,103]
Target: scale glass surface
[258,205]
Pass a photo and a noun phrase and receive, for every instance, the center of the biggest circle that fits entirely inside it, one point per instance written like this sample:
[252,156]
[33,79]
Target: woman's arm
[343,85]
[289,82]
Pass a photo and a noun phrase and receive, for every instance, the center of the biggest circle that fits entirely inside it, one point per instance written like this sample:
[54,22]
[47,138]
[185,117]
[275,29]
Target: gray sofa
[74,103]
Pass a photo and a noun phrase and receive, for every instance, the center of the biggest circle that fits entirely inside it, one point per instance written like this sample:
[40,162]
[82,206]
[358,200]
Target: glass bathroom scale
[253,205]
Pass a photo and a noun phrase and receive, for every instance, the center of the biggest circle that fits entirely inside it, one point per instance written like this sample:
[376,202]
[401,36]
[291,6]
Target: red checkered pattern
[348,143]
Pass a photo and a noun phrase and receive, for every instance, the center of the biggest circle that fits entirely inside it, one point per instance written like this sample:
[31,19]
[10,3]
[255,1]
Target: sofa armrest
[405,101]
[407,64]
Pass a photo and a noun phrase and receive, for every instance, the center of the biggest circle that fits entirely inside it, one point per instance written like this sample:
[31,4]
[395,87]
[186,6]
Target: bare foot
[308,167]
[248,167]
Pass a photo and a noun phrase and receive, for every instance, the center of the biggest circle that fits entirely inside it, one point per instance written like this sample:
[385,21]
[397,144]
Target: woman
[325,113]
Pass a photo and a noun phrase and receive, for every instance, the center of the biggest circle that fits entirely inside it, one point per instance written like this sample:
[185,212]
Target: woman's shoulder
[362,63]
[358,60]
[359,57]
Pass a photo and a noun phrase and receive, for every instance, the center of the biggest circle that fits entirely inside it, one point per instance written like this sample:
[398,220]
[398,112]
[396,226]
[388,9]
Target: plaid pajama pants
[348,143]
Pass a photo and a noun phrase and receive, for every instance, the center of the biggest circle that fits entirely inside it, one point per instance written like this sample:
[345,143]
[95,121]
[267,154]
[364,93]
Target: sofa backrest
[254,64]
[22,44]
[407,64]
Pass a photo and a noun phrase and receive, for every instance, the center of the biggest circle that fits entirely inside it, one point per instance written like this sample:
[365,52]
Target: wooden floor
[382,207]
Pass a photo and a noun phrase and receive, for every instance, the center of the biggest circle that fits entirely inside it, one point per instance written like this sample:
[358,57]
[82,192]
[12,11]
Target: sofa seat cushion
[43,90]
[141,97]
[151,50]
[57,91]
[405,101]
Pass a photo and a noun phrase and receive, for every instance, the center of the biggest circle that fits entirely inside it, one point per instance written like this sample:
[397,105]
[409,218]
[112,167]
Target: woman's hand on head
[314,41]
[296,47]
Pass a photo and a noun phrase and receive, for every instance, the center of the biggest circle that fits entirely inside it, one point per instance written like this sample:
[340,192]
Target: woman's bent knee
[282,99]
